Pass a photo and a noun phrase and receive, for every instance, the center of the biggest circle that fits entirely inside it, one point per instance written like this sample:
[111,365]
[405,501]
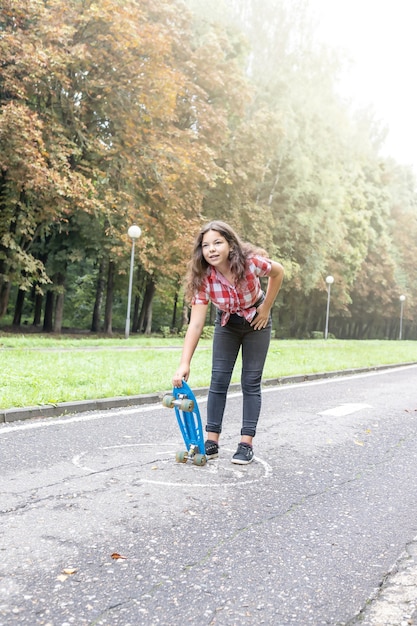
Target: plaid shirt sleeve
[203,295]
[260,265]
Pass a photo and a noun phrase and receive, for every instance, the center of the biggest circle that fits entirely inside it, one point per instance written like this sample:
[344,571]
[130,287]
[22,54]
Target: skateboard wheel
[168,401]
[186,405]
[200,459]
[181,456]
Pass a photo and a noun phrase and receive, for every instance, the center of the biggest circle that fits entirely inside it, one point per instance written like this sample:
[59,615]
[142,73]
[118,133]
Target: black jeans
[226,345]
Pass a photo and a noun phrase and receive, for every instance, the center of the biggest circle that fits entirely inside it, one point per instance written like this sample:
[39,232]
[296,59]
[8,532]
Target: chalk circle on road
[156,465]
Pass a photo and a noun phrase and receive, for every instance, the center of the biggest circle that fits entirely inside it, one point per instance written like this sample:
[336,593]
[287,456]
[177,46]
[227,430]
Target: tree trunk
[145,319]
[108,314]
[37,315]
[48,317]
[4,297]
[148,317]
[140,280]
[59,312]
[100,286]
[4,285]
[135,319]
[174,313]
[38,298]
[59,302]
[18,309]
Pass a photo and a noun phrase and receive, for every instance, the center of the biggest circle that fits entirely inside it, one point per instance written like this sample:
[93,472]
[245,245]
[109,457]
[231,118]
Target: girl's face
[215,249]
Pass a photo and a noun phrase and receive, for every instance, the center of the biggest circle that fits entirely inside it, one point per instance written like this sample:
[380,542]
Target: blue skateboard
[183,401]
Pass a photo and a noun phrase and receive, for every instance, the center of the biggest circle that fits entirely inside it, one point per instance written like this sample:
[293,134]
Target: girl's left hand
[262,317]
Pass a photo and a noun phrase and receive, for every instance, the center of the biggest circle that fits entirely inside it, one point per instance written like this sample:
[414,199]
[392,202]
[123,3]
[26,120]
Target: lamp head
[134,231]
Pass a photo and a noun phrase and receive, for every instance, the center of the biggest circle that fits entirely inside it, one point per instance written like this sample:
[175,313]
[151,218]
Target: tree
[119,112]
[125,121]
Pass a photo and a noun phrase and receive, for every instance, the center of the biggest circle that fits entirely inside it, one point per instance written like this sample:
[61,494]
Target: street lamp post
[329,281]
[134,233]
[402,299]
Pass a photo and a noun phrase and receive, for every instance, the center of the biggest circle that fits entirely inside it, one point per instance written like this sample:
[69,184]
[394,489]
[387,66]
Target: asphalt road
[320,529]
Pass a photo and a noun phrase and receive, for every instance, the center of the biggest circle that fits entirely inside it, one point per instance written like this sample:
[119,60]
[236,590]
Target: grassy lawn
[39,370]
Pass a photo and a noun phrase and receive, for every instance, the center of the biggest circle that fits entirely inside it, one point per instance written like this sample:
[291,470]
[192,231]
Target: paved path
[320,529]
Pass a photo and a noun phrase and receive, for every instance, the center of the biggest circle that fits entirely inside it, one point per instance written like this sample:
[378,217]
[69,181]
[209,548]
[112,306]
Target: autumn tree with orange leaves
[112,113]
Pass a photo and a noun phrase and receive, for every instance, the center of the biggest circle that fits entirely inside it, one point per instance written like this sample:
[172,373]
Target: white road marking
[212,468]
[345,409]
[79,417]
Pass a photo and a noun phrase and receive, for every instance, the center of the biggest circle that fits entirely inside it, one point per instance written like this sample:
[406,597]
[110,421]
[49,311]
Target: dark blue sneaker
[243,455]
[212,449]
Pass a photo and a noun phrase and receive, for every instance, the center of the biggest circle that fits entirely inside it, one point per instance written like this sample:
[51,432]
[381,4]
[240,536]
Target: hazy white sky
[381,38]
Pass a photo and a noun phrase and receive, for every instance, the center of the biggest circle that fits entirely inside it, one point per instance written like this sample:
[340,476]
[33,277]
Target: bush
[207,332]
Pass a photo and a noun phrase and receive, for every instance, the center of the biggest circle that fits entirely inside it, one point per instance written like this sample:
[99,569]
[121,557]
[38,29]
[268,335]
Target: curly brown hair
[239,253]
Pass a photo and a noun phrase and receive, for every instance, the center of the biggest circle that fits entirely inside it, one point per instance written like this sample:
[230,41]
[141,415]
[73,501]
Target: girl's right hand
[181,374]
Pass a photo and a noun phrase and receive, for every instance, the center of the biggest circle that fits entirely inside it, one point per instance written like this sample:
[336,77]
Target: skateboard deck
[188,416]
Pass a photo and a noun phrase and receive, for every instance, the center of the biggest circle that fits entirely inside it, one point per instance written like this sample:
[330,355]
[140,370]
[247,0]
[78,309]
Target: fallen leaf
[69,571]
[359,443]
[61,578]
[117,556]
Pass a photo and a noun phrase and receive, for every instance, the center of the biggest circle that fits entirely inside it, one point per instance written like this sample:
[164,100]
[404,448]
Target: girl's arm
[192,336]
[275,278]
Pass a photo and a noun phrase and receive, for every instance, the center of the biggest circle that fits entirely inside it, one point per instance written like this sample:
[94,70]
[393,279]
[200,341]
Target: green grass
[38,370]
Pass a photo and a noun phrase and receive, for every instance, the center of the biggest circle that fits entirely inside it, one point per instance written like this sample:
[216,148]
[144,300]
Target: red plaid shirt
[229,299]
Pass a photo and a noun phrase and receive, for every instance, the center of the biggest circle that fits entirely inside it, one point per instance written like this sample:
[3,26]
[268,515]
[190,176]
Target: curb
[64,408]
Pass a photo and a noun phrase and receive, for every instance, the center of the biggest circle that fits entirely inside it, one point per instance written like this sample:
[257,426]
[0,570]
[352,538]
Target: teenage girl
[225,270]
